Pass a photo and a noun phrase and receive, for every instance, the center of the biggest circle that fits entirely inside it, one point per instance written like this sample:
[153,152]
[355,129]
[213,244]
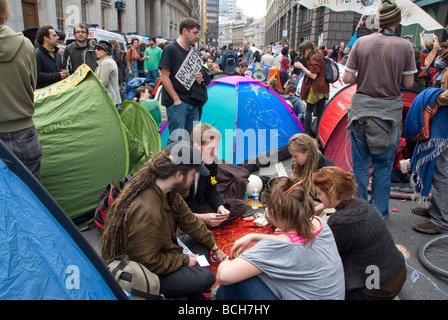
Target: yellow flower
[213,180]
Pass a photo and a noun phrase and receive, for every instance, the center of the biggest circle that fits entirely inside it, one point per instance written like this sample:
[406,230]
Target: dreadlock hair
[290,203]
[302,143]
[114,240]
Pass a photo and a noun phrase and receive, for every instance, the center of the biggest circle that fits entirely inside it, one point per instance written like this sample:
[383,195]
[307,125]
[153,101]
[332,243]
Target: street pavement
[420,284]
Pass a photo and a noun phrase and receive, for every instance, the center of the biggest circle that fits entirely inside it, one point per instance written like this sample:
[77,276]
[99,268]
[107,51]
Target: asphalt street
[420,284]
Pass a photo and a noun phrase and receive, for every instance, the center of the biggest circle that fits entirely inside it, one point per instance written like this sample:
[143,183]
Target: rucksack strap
[145,295]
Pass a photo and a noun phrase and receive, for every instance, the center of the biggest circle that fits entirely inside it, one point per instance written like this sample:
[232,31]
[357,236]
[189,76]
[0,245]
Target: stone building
[158,18]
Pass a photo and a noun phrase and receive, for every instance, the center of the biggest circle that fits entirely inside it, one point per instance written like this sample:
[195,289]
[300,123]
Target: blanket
[426,123]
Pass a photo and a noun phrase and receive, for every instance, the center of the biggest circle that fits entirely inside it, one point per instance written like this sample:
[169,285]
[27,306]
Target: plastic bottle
[246,197]
[255,199]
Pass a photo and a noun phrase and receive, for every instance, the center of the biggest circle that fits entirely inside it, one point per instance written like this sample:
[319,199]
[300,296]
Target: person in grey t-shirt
[302,262]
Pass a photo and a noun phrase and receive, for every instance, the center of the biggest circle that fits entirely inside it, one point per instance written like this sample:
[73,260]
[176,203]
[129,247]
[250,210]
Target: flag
[353,39]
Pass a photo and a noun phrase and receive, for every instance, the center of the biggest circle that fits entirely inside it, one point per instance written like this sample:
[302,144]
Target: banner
[410,12]
[63,85]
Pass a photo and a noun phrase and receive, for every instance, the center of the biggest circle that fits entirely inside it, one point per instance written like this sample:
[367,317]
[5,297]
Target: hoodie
[17,81]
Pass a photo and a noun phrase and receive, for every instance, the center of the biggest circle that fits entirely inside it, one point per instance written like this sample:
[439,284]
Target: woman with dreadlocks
[307,160]
[143,220]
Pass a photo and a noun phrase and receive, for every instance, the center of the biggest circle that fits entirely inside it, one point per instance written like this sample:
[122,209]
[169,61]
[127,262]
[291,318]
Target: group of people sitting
[176,196]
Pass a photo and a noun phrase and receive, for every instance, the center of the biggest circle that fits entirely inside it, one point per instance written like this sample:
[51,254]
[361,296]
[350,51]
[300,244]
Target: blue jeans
[26,146]
[381,173]
[181,119]
[250,289]
[152,76]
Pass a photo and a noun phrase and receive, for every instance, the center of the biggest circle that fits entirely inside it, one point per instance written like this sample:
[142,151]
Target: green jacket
[150,224]
[154,54]
[17,81]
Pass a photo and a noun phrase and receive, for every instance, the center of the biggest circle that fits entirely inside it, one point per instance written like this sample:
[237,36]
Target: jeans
[26,146]
[152,76]
[181,119]
[187,281]
[438,205]
[250,289]
[381,173]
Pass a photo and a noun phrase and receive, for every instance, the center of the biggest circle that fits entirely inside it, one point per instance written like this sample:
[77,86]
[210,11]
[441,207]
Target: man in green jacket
[143,221]
[151,65]
[17,83]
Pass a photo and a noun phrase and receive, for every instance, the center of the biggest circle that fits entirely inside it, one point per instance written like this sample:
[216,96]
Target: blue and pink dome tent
[255,122]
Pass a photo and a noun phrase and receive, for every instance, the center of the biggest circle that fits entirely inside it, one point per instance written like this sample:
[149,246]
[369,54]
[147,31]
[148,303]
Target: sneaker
[428,228]
[421,211]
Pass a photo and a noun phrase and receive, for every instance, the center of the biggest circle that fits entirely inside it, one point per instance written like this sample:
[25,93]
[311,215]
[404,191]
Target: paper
[202,261]
[191,66]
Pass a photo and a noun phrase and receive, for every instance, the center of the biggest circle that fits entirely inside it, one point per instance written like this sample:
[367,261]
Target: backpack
[331,69]
[135,278]
[229,60]
[107,197]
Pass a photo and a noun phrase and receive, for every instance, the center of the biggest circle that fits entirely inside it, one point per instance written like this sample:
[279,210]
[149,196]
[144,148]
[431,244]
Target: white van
[98,34]
[142,39]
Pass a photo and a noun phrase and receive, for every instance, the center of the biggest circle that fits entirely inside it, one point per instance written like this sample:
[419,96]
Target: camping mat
[226,235]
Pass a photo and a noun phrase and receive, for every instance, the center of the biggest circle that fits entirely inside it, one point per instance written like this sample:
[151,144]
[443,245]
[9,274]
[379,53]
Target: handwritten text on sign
[191,66]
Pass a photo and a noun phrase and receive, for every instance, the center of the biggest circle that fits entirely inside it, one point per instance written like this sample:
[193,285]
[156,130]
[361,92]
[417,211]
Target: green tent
[142,132]
[85,143]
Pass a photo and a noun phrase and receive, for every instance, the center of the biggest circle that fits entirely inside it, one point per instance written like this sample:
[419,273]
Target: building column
[140,16]
[157,16]
[166,21]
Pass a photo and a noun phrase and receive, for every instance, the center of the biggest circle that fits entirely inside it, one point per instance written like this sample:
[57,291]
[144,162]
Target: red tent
[333,134]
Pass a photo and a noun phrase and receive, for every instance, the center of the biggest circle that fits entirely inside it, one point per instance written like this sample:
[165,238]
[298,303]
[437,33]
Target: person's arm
[235,271]
[168,85]
[300,66]
[104,75]
[349,77]
[407,81]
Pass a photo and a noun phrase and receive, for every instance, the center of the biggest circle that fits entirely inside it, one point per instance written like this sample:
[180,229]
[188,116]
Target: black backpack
[331,69]
[229,59]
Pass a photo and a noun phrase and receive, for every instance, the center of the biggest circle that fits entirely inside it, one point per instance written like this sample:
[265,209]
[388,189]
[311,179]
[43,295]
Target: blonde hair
[302,143]
[203,133]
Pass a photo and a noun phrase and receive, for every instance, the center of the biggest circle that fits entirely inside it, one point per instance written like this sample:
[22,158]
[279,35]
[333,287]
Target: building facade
[288,21]
[158,18]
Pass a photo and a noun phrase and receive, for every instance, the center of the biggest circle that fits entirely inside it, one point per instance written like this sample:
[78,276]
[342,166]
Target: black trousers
[188,282]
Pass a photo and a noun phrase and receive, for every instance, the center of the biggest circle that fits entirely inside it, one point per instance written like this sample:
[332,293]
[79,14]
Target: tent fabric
[84,144]
[44,256]
[334,136]
[142,133]
[246,113]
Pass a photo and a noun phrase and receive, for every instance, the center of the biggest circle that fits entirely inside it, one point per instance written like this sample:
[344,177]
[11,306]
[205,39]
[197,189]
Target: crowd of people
[175,196]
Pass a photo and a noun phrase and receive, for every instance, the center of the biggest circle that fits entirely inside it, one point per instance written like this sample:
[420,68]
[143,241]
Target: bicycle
[433,255]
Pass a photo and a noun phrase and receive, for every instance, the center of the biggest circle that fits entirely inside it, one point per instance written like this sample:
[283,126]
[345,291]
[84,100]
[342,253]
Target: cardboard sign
[191,66]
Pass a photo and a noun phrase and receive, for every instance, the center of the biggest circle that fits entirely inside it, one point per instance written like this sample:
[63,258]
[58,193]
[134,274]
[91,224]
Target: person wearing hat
[378,63]
[107,70]
[143,220]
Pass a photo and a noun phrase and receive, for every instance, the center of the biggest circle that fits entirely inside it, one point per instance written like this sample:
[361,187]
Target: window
[60,14]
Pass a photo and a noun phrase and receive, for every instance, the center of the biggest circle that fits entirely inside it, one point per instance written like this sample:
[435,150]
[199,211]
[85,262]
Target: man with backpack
[378,63]
[143,221]
[229,60]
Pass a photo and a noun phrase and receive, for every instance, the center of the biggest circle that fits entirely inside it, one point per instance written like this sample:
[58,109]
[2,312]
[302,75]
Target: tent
[44,256]
[85,143]
[334,136]
[254,121]
[142,132]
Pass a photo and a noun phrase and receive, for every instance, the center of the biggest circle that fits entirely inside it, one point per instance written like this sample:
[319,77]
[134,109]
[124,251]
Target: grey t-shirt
[310,271]
[381,62]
